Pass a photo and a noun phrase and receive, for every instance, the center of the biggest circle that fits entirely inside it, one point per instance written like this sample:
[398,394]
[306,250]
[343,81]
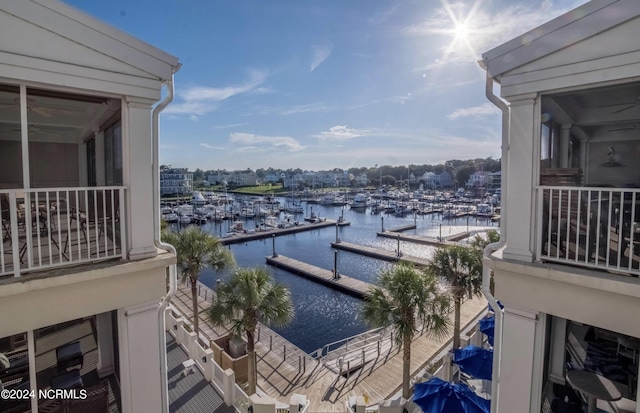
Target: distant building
[444,180]
[176,182]
[430,180]
[244,177]
[478,179]
[495,181]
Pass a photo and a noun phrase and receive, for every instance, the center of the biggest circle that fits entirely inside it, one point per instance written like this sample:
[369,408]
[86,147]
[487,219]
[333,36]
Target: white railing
[593,227]
[55,227]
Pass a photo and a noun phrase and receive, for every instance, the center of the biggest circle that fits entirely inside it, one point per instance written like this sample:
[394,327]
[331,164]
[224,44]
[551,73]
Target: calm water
[324,315]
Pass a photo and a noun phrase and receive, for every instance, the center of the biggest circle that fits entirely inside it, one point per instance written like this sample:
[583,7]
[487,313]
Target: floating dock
[403,228]
[419,239]
[351,286]
[390,256]
[252,235]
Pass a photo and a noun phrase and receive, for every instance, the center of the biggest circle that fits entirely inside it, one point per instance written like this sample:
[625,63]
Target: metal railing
[57,227]
[594,227]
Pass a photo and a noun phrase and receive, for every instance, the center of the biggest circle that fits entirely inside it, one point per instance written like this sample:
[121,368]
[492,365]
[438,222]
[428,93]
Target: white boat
[359,201]
[271,221]
[171,217]
[484,210]
[197,198]
[327,199]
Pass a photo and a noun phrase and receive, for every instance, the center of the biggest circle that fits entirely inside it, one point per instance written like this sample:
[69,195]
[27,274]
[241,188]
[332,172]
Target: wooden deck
[284,369]
[419,239]
[239,237]
[344,283]
[390,256]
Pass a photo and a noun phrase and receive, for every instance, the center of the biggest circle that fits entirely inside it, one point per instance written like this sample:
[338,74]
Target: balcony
[60,227]
[592,227]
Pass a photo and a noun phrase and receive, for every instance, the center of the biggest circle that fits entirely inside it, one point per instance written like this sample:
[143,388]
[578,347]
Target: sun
[461,31]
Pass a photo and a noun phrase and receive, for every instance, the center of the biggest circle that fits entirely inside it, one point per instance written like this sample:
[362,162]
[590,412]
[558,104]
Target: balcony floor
[58,247]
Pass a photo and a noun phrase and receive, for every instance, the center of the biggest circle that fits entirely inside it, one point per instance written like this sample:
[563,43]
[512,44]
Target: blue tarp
[487,326]
[475,361]
[439,396]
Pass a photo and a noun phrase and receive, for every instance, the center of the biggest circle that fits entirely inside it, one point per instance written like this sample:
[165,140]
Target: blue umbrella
[475,361]
[439,396]
[487,326]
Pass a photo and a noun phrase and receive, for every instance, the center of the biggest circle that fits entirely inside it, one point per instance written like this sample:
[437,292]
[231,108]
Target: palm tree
[247,298]
[197,250]
[406,299]
[461,267]
[480,243]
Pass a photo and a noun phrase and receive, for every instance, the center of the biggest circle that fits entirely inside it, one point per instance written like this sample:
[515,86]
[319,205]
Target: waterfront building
[567,267]
[478,179]
[176,181]
[245,177]
[444,180]
[81,274]
[495,181]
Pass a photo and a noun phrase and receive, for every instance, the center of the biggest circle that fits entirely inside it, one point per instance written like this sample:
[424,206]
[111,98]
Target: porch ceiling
[613,111]
[54,117]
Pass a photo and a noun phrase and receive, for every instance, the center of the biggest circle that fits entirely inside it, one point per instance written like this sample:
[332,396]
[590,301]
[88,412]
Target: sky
[326,84]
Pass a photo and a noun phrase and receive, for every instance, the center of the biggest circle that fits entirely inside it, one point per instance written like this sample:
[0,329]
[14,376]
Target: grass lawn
[259,190]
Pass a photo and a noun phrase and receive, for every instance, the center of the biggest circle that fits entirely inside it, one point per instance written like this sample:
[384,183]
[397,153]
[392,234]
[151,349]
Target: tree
[406,299]
[461,267]
[197,250]
[480,243]
[247,298]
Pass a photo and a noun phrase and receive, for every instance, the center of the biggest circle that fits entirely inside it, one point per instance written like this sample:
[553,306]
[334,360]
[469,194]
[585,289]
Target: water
[323,315]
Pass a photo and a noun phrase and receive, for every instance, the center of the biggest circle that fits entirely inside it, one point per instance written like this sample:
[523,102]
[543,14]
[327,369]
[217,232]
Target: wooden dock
[391,256]
[344,283]
[252,235]
[419,239]
[403,228]
[283,369]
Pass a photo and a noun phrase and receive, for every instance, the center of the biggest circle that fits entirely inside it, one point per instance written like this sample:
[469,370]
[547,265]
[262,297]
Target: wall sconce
[204,359]
[175,327]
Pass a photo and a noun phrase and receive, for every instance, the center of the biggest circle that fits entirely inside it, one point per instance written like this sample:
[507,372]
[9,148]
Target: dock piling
[273,246]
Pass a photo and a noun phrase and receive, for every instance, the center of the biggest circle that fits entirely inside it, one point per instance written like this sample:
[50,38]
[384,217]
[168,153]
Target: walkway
[284,369]
[191,393]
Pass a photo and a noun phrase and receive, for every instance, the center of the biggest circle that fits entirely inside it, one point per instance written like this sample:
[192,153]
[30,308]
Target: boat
[484,210]
[197,198]
[170,217]
[359,201]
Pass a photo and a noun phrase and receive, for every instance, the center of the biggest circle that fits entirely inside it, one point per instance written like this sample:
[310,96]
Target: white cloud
[320,54]
[341,133]
[205,145]
[266,141]
[476,112]
[199,100]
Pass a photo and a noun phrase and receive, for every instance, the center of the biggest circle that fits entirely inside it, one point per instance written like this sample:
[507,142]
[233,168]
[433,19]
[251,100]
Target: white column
[105,365]
[517,355]
[139,342]
[555,147]
[100,158]
[136,131]
[564,145]
[524,138]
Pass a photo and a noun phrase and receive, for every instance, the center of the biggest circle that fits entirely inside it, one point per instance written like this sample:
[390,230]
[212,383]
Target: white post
[228,381]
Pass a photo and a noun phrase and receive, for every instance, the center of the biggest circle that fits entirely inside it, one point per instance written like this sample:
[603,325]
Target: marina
[361,254]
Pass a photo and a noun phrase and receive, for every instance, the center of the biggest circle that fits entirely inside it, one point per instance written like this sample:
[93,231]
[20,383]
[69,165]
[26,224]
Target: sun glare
[461,31]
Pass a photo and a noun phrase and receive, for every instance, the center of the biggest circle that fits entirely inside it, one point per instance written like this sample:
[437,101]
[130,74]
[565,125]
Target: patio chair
[102,208]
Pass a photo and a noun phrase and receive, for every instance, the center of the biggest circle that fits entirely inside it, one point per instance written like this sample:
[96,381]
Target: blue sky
[324,84]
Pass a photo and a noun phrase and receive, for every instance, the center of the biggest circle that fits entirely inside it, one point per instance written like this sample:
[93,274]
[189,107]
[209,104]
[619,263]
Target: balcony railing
[590,227]
[57,227]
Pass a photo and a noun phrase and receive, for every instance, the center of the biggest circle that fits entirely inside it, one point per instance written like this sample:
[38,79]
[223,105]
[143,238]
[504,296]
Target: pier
[351,286]
[377,253]
[284,369]
[419,239]
[263,233]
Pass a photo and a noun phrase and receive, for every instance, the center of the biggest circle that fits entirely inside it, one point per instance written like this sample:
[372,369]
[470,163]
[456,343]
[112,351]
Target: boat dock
[403,228]
[252,235]
[419,239]
[391,256]
[344,283]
